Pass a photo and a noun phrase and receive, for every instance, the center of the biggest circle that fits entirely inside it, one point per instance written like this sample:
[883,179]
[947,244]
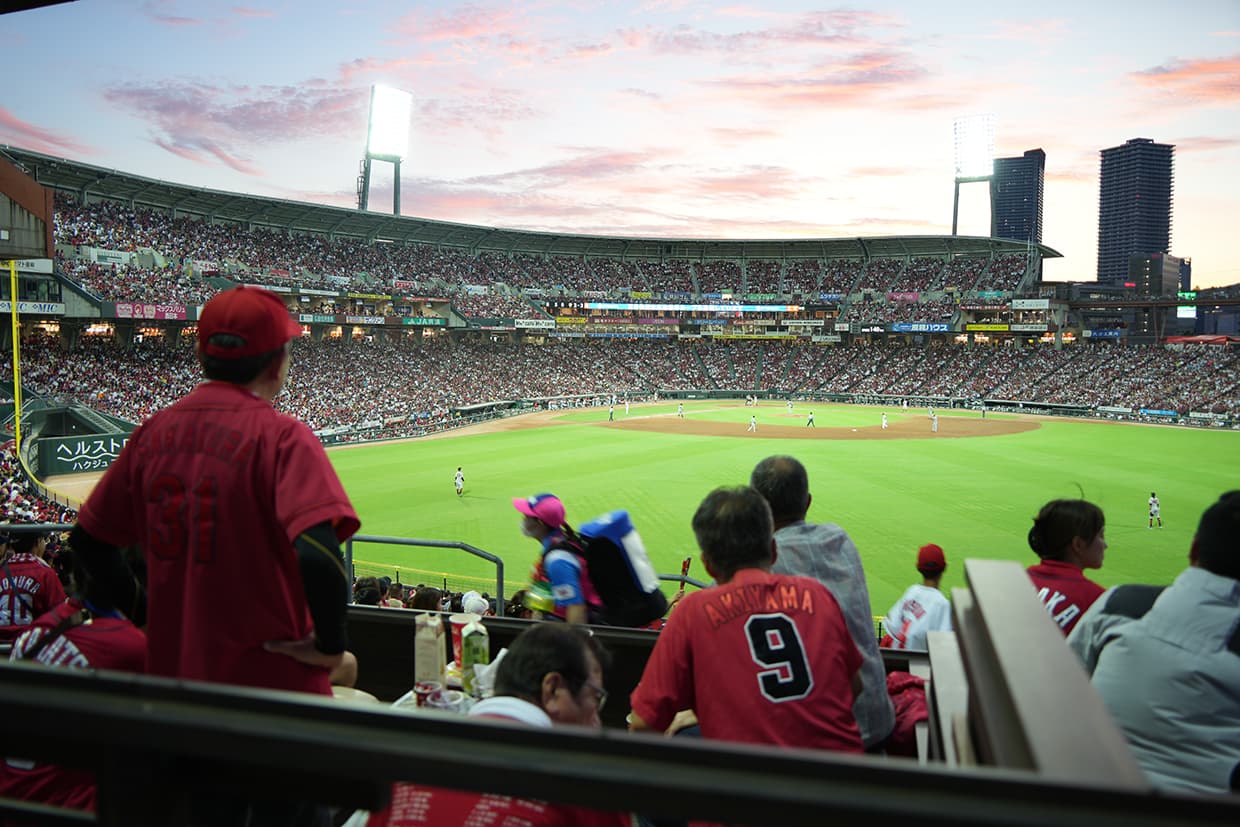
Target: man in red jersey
[551,675]
[239,513]
[72,635]
[761,658]
[28,585]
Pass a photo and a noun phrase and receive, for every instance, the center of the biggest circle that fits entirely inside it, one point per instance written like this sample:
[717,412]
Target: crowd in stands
[19,502]
[188,250]
[367,383]
[718,277]
[919,275]
[886,312]
[494,306]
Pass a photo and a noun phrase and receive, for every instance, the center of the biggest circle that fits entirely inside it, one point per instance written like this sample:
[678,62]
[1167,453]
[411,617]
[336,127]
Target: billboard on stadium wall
[425,321]
[35,308]
[535,324]
[570,320]
[920,327]
[988,327]
[1156,412]
[826,337]
[71,455]
[129,310]
[35,265]
[363,320]
[1102,334]
[1031,304]
[802,322]
[1029,328]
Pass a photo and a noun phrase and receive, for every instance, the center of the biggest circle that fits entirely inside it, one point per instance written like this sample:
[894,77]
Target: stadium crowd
[369,383]
[179,255]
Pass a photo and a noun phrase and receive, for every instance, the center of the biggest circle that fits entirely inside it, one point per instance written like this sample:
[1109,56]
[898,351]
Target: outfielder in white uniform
[680,410]
[460,481]
[753,424]
[810,422]
[884,422]
[1155,510]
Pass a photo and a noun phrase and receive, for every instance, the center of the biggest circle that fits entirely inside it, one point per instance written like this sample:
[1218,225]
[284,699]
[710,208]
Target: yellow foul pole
[17,371]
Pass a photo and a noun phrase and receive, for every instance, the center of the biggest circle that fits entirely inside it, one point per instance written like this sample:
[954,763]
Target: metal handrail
[405,541]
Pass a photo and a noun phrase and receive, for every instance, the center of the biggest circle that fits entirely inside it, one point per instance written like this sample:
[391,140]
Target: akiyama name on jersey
[1051,601]
[742,602]
[60,652]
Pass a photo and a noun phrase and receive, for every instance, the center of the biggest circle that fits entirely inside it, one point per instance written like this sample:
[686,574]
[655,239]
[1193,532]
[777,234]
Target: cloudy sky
[666,118]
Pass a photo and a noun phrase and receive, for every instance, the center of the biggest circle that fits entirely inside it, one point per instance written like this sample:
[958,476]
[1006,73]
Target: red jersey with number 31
[765,659]
[215,488]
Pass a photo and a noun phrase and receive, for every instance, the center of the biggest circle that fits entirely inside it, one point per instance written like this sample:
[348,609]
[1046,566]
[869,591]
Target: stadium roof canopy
[301,217]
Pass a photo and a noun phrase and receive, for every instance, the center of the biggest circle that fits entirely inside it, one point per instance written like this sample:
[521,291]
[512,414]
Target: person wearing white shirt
[922,608]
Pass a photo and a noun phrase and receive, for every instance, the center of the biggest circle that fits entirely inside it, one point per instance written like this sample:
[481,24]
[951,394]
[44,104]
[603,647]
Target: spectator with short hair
[29,588]
[825,552]
[551,676]
[761,658]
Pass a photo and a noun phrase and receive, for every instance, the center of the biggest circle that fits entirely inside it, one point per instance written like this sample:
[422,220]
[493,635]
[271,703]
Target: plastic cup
[423,690]
[458,623]
[447,700]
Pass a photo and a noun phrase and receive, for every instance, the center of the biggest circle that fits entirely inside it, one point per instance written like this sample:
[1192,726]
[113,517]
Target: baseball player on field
[459,481]
[1155,510]
[762,658]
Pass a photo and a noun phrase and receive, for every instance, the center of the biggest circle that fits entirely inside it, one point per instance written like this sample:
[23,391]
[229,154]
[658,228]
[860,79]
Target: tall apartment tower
[1134,206]
[1016,197]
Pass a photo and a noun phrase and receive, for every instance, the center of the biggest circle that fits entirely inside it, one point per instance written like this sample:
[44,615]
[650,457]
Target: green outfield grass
[973,496]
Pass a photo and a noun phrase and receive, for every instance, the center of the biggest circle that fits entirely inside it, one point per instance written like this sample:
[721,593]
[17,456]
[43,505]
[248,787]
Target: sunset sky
[665,118]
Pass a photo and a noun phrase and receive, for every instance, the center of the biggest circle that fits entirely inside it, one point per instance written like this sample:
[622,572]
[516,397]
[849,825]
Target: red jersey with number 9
[763,659]
[215,488]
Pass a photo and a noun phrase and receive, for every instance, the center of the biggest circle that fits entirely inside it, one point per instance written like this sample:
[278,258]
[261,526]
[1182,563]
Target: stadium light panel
[975,146]
[390,110]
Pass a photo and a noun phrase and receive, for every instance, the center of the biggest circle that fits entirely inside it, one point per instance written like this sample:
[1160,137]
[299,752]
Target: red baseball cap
[258,317]
[545,507]
[930,558]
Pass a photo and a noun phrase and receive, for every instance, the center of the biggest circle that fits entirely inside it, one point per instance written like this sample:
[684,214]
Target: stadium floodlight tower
[387,139]
[975,156]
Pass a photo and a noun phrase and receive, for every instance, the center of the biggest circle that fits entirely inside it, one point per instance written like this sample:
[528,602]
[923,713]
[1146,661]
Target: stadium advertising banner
[108,256]
[1029,328]
[402,284]
[35,265]
[363,320]
[127,310]
[307,291]
[641,294]
[903,297]
[43,308]
[843,327]
[315,318]
[537,324]
[990,294]
[425,321]
[380,296]
[658,320]
[570,320]
[803,322]
[919,327]
[826,337]
[989,327]
[1156,412]
[1117,409]
[697,308]
[70,455]
[1103,334]
[1031,304]
[982,306]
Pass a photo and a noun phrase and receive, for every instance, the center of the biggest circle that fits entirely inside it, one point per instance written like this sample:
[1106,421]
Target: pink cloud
[815,29]
[244,11]
[201,122]
[15,131]
[161,11]
[1209,80]
[736,134]
[856,78]
[1204,144]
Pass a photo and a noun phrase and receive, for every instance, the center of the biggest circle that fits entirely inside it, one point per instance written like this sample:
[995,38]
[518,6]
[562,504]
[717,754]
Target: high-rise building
[1016,197]
[1134,205]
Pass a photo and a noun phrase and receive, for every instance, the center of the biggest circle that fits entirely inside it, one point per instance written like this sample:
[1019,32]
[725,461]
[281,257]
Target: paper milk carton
[475,649]
[429,648]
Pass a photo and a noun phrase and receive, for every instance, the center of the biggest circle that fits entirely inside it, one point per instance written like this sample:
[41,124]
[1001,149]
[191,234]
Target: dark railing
[404,541]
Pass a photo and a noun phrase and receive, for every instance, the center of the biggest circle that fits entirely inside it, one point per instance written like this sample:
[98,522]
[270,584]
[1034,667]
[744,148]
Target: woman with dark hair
[1067,536]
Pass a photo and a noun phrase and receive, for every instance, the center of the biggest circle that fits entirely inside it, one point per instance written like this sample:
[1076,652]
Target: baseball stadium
[936,390]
